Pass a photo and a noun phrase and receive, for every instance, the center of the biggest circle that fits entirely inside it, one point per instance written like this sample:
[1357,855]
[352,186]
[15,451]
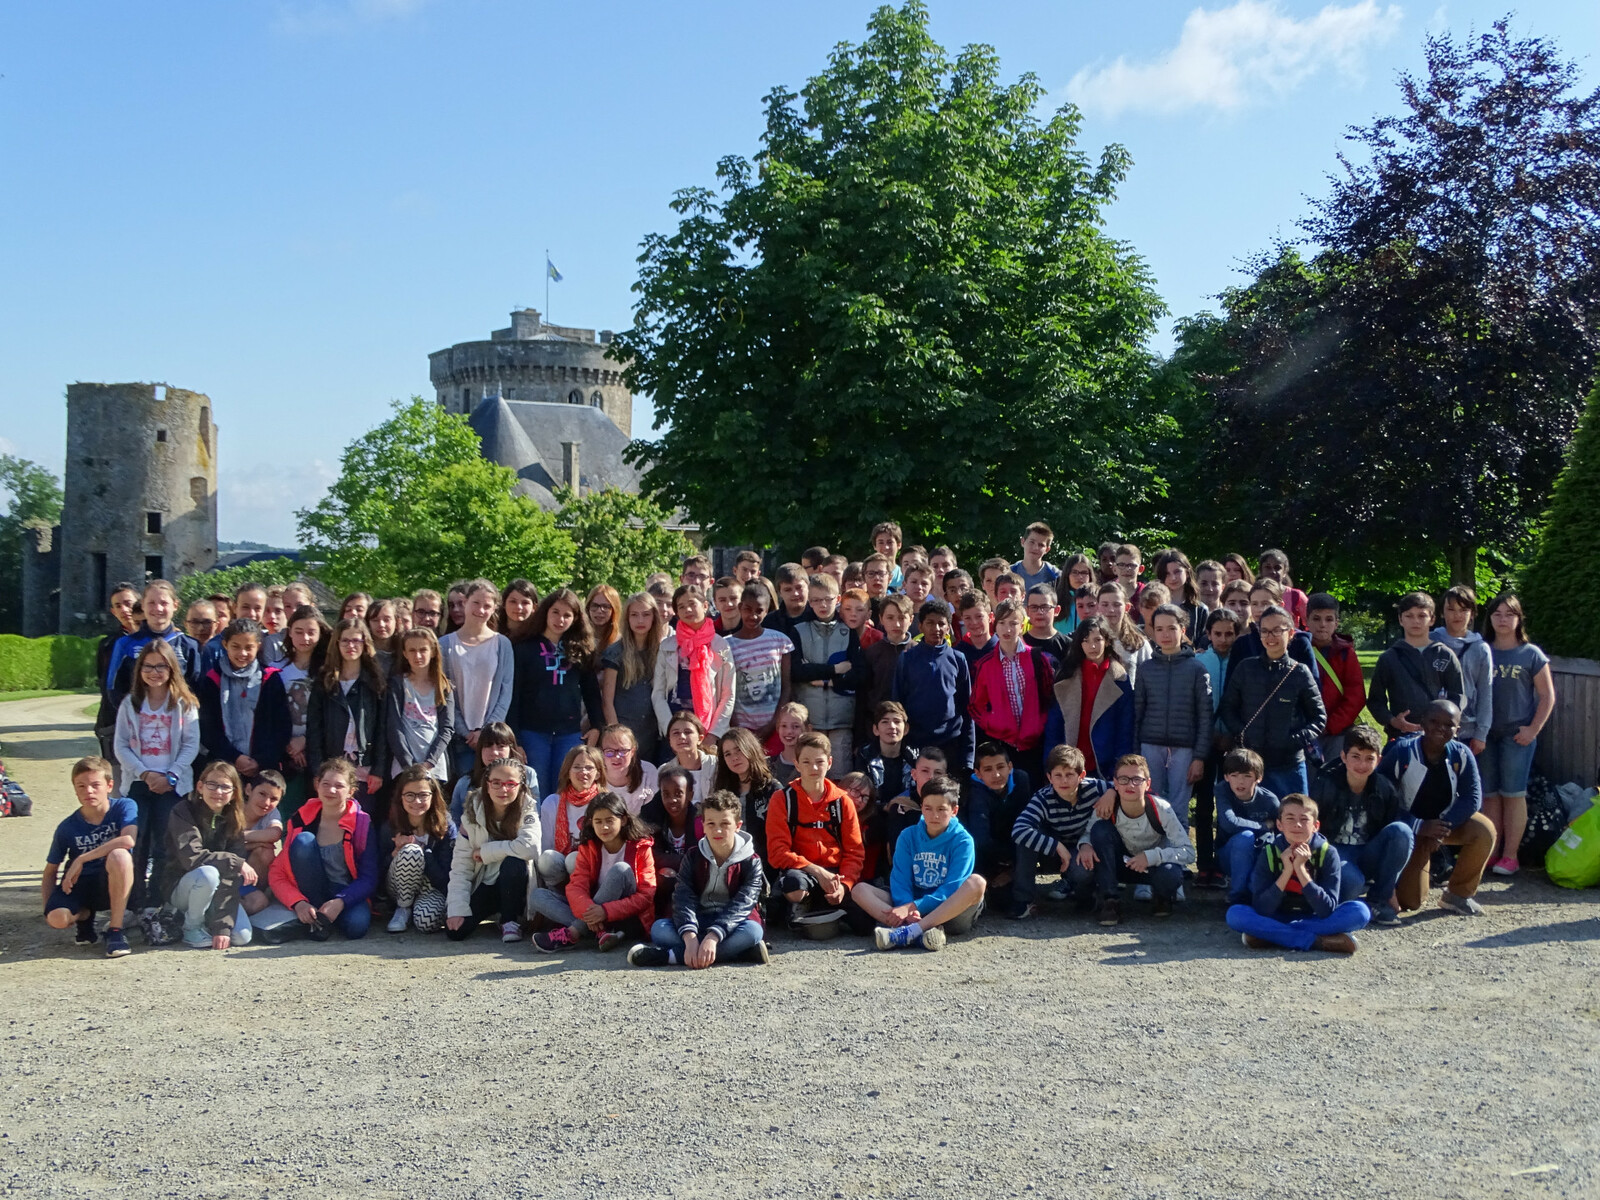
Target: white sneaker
[511,931]
[1180,895]
[1141,891]
[401,918]
[933,939]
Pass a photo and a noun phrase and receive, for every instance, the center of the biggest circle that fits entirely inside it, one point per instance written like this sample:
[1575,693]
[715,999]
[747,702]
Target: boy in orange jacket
[814,839]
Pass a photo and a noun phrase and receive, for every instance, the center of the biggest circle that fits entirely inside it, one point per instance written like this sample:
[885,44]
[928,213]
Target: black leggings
[507,896]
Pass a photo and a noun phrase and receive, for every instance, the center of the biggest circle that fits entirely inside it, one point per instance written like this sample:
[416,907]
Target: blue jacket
[119,669]
[436,854]
[989,815]
[928,870]
[1320,896]
[1402,765]
[1235,816]
[936,688]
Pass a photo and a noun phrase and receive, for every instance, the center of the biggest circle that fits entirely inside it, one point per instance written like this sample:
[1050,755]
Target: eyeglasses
[505,783]
[424,612]
[159,668]
[1275,632]
[1131,780]
[218,789]
[353,643]
[419,797]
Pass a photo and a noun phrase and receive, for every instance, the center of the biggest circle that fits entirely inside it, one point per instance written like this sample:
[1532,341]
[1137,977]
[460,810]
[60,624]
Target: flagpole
[547,285]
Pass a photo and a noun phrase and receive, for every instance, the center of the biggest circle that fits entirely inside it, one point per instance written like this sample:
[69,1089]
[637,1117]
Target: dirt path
[1447,1059]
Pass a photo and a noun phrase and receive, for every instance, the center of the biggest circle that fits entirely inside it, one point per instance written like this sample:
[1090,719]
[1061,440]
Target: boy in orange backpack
[814,838]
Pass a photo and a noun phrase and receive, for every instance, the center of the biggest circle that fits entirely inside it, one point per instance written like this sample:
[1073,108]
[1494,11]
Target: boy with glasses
[1273,706]
[1140,840]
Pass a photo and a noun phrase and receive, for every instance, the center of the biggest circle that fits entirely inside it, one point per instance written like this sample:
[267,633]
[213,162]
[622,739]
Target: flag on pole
[550,269]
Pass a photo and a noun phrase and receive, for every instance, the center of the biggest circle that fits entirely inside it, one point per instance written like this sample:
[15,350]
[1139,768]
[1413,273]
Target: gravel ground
[1449,1058]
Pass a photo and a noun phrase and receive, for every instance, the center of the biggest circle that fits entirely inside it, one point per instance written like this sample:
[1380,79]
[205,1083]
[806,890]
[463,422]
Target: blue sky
[289,205]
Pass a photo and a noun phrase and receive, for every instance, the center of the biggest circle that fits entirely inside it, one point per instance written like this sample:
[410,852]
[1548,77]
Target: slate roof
[526,435]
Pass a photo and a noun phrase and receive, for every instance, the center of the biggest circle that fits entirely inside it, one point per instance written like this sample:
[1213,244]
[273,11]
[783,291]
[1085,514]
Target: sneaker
[646,955]
[1110,912]
[559,938]
[759,953]
[1385,914]
[611,939]
[1335,943]
[1180,894]
[197,939]
[1465,906]
[1161,907]
[86,936]
[1211,880]
[320,929]
[510,931]
[1141,891]
[1504,866]
[933,939]
[1252,942]
[401,918]
[1022,912]
[892,939]
[117,944]
[1059,893]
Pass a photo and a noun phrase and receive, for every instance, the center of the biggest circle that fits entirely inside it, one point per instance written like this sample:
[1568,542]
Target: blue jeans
[1164,880]
[150,847]
[305,864]
[192,896]
[1302,932]
[1237,858]
[1376,866]
[664,934]
[546,752]
[1505,766]
[1169,775]
[1284,781]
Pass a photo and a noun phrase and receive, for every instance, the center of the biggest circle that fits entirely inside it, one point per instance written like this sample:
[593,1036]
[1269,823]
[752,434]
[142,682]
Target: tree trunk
[1463,559]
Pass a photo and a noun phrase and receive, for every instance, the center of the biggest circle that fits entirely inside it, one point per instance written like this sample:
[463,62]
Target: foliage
[1566,569]
[1411,387]
[904,308]
[55,662]
[416,505]
[618,539]
[35,499]
[228,580]
[465,521]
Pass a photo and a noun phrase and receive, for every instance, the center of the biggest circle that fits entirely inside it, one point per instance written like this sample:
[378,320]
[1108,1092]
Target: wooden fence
[1569,747]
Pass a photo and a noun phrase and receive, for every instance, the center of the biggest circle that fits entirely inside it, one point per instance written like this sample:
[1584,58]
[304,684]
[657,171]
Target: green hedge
[27,664]
[1557,586]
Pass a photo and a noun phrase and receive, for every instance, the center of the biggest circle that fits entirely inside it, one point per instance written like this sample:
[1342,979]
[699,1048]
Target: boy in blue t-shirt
[932,889]
[96,844]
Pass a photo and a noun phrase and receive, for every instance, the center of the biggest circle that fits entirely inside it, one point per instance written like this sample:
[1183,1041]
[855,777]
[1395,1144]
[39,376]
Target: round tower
[141,492]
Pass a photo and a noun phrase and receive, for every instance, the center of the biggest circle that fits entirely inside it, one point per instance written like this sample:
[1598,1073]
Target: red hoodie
[1344,693]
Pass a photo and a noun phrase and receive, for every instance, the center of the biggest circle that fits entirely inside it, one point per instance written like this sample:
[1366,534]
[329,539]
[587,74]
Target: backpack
[1275,860]
[834,823]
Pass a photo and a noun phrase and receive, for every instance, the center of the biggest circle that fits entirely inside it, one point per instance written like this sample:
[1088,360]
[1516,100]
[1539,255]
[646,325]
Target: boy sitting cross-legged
[1052,829]
[1141,841]
[932,889]
[715,912]
[813,834]
[96,844]
[1294,889]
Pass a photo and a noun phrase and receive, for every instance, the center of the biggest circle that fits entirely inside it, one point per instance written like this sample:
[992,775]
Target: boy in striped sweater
[1053,829]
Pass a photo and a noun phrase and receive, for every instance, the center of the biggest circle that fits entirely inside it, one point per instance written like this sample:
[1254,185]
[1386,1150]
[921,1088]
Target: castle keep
[141,502]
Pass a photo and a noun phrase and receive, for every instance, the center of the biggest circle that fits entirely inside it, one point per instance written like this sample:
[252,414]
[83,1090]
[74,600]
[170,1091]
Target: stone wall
[141,492]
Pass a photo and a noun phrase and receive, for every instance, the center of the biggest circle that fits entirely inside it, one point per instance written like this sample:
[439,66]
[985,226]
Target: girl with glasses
[419,841]
[208,861]
[494,850]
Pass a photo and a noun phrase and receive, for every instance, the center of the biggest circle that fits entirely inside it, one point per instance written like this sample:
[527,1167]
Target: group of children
[884,746]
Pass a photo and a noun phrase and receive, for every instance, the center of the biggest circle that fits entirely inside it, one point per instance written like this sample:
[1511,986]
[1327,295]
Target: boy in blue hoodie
[1294,889]
[932,889]
[932,681]
[1245,812]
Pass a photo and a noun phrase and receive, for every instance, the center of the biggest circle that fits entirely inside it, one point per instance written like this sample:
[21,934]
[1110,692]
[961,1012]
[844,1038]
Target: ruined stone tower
[141,492]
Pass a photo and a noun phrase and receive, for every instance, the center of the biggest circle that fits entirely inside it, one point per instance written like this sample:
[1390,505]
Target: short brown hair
[892,528]
[813,741]
[1132,760]
[92,764]
[897,600]
[1416,600]
[1242,761]
[1462,597]
[889,708]
[1067,756]
[721,801]
[1363,737]
[1303,800]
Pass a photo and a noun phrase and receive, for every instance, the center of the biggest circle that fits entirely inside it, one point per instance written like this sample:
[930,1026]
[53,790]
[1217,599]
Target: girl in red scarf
[561,815]
[694,668]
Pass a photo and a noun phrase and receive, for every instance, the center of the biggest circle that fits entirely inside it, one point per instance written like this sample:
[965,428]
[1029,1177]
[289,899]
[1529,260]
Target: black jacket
[744,890]
[328,715]
[1408,679]
[1379,804]
[550,692]
[1274,707]
[269,735]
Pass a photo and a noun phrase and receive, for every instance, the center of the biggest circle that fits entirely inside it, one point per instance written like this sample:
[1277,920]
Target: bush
[55,662]
[267,572]
[1565,570]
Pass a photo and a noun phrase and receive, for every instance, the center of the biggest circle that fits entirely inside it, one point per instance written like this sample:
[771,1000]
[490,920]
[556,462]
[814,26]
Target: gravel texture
[1449,1058]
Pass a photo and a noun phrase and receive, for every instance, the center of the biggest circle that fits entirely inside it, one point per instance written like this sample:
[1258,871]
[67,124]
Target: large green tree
[905,307]
[1557,584]
[417,505]
[618,538]
[34,498]
[1407,390]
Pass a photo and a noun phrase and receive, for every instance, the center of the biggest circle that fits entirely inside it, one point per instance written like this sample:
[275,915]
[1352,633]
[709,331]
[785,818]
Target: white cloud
[256,501]
[311,18]
[1230,57]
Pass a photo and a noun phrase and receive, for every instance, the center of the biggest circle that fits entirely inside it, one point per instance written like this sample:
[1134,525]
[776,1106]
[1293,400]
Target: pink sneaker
[1504,866]
[555,939]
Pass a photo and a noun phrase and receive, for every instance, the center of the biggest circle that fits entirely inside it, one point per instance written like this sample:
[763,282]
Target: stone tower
[534,362]
[141,492]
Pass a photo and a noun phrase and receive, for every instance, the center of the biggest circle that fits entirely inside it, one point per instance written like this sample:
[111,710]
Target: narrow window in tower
[161,435]
[152,522]
[205,427]
[597,400]
[574,397]
[152,566]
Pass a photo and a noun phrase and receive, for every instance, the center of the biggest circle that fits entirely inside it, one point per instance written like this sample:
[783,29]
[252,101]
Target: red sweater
[1344,693]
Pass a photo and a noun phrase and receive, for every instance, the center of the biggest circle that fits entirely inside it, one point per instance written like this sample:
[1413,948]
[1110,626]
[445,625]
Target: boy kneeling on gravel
[1294,889]
[814,839]
[932,888]
[714,903]
[96,843]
